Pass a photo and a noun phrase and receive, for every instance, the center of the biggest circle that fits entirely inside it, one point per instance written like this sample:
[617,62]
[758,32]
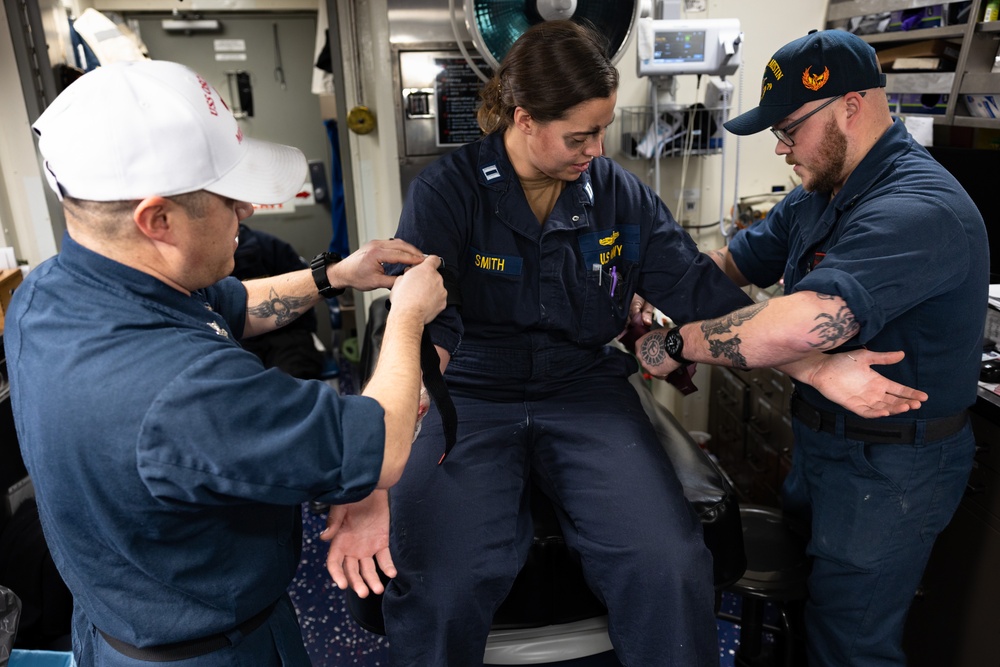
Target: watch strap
[674,343]
[318,267]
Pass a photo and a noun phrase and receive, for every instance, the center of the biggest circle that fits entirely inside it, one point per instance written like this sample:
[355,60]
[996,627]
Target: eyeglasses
[784,134]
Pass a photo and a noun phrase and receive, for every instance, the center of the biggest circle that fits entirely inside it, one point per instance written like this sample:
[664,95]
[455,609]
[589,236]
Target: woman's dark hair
[551,68]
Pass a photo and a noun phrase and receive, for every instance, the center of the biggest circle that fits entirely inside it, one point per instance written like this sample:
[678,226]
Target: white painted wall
[364,33]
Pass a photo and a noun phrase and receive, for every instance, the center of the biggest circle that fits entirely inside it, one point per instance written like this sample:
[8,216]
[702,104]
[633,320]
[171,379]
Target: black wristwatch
[674,345]
[318,266]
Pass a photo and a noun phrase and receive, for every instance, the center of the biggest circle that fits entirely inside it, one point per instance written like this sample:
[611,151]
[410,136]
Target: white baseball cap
[132,130]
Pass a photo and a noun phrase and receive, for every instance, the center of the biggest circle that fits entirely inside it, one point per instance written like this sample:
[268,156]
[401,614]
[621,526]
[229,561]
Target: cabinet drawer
[728,436]
[770,419]
[761,456]
[782,438]
[772,385]
[730,392]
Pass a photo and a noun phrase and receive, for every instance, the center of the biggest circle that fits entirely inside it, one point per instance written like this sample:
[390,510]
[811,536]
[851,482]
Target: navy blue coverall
[906,248]
[169,465]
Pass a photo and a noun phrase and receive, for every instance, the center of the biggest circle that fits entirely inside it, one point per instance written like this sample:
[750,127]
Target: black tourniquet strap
[430,364]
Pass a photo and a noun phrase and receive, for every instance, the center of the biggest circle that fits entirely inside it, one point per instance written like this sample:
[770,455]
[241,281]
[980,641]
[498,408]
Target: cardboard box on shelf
[9,280]
[928,48]
[923,64]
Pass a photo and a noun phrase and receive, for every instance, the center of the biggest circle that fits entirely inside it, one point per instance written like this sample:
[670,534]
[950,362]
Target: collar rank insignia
[219,330]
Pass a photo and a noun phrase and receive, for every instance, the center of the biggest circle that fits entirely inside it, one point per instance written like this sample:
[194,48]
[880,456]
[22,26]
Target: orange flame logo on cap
[815,81]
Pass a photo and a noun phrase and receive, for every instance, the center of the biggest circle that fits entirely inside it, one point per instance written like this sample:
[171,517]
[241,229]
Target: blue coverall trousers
[461,530]
[874,512]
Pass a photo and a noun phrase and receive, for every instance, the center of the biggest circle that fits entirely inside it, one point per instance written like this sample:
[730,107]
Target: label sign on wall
[230,44]
[229,50]
[457,92]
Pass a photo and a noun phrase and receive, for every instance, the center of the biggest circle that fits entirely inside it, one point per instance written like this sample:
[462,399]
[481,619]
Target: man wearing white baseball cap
[169,465]
[880,249]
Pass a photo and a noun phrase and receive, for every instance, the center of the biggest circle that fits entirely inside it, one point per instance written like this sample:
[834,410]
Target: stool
[777,568]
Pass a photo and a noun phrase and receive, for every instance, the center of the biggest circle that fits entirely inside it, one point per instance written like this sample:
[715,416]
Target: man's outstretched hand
[847,378]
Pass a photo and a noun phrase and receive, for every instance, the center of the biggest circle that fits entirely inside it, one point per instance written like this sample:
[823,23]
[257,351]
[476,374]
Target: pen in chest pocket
[613,277]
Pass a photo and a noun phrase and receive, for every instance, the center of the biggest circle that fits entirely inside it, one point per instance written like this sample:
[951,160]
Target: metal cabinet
[751,430]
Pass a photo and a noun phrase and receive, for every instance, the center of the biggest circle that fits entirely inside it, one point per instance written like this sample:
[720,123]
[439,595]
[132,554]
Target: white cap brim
[269,173]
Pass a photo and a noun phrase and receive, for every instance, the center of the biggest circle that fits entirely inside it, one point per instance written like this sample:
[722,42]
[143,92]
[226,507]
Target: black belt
[855,428]
[191,648]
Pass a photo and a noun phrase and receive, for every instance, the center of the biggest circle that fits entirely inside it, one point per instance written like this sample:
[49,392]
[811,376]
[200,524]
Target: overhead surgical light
[496,24]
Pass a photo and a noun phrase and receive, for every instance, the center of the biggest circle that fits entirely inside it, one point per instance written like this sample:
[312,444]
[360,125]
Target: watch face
[674,344]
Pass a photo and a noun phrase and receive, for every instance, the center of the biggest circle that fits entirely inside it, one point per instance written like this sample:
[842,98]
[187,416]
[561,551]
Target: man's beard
[832,156]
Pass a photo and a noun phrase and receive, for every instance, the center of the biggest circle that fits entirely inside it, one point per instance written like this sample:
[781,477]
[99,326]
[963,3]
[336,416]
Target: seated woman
[546,241]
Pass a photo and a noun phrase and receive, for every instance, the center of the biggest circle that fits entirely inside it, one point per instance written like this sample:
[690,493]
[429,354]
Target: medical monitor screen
[679,47]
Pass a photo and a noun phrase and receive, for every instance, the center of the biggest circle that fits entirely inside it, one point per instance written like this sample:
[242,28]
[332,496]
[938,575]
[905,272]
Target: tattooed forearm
[834,328]
[728,349]
[283,309]
[723,325]
[652,352]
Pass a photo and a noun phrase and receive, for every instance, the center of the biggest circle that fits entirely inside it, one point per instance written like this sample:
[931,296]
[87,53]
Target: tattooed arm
[775,332]
[276,301]
[791,333]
